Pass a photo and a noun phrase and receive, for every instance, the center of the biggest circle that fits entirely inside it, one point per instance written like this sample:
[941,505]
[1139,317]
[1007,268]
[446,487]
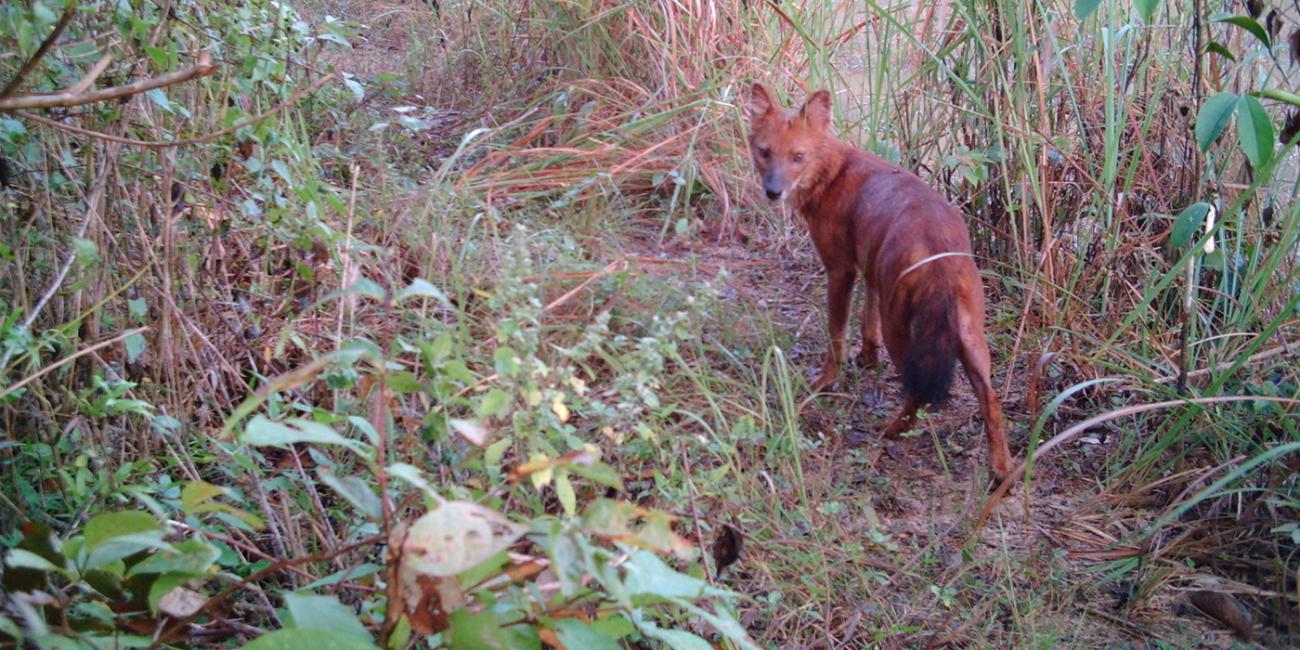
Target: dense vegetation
[464,324]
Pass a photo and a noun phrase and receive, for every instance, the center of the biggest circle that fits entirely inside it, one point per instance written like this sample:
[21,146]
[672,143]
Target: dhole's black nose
[773,195]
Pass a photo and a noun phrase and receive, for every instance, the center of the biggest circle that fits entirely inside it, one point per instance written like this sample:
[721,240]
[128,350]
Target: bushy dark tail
[927,368]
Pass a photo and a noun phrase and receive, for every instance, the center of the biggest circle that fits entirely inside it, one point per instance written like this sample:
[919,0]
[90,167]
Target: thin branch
[92,211]
[68,13]
[158,144]
[89,80]
[202,68]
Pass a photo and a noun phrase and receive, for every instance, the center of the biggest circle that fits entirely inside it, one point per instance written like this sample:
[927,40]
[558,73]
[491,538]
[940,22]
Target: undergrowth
[461,324]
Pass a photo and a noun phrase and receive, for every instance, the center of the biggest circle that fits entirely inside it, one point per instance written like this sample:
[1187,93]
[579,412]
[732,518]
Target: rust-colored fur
[924,300]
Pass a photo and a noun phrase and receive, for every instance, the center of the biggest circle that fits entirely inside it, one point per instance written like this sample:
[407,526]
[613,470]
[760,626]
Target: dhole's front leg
[839,292]
[869,355]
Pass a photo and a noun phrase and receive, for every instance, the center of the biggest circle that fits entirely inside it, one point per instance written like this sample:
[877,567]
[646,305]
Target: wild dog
[924,300]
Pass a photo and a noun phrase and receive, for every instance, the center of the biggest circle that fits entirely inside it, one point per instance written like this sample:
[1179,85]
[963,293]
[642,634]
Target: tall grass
[589,179]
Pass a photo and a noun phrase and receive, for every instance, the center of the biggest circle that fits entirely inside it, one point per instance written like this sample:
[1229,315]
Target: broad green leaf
[325,613]
[1084,8]
[677,639]
[422,288]
[306,639]
[135,346]
[85,252]
[403,382]
[599,472]
[106,527]
[356,491]
[1185,224]
[350,573]
[1255,132]
[1222,51]
[564,492]
[264,432]
[197,493]
[494,403]
[1146,9]
[23,559]
[482,631]
[190,557]
[1214,116]
[576,634]
[1247,23]
[647,575]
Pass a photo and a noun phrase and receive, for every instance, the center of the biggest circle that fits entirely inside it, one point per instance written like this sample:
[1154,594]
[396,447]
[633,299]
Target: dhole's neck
[831,160]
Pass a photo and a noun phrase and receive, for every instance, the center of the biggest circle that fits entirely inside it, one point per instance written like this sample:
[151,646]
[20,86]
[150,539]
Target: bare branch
[202,68]
[159,144]
[68,13]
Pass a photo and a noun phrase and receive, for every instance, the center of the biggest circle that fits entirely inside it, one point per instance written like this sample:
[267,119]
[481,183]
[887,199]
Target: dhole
[923,292]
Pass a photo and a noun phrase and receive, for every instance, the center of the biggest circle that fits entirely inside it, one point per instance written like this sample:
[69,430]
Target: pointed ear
[817,110]
[760,103]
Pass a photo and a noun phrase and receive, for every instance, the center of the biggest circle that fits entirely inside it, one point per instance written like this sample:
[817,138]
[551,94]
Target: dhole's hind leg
[839,292]
[975,360]
[904,422]
[869,355]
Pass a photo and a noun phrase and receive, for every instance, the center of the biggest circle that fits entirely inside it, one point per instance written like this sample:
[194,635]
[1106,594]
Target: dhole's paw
[867,357]
[896,428]
[824,380]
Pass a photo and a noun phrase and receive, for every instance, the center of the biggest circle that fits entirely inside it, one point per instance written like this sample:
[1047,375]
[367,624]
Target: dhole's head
[785,144]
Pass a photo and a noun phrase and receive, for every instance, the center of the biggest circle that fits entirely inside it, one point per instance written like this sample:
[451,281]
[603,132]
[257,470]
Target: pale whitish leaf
[358,92]
[261,431]
[366,287]
[304,639]
[402,110]
[181,602]
[326,613]
[378,126]
[282,170]
[355,491]
[23,559]
[135,346]
[557,406]
[420,287]
[120,547]
[1255,131]
[456,536]
[138,308]
[471,430]
[43,13]
[647,575]
[160,98]
[414,476]
[366,428]
[1214,116]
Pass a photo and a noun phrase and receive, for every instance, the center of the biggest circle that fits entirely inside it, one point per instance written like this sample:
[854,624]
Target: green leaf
[576,634]
[308,639]
[356,491]
[197,493]
[564,492]
[116,535]
[481,631]
[403,382]
[325,613]
[1185,224]
[264,432]
[23,559]
[1146,9]
[422,288]
[599,472]
[1222,51]
[647,575]
[1254,132]
[1084,8]
[1214,116]
[439,348]
[160,98]
[494,403]
[135,346]
[163,585]
[107,527]
[189,557]
[677,639]
[1247,23]
[85,252]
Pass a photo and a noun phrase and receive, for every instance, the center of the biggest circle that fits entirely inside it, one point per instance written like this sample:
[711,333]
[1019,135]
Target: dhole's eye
[764,152]
[798,157]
